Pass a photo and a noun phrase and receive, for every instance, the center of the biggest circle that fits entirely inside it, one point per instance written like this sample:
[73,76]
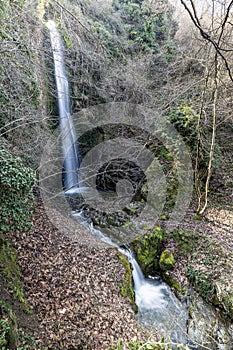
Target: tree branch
[206,36]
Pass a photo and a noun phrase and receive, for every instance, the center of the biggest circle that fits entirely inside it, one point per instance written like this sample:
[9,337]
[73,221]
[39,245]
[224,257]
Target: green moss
[166,261]
[127,287]
[8,327]
[10,270]
[147,248]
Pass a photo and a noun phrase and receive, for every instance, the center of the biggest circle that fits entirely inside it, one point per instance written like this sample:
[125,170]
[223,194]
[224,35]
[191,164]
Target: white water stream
[158,307]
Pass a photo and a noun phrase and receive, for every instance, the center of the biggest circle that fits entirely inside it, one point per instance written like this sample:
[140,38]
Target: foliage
[108,40]
[185,118]
[16,194]
[185,240]
[200,281]
[12,337]
[147,27]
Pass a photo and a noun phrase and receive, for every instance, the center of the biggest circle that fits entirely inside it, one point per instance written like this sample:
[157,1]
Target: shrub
[16,183]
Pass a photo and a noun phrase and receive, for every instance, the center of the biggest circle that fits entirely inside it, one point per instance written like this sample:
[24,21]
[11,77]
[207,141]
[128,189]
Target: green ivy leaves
[16,183]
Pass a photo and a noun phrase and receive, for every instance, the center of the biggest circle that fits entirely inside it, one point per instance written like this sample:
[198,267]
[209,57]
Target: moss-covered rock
[147,249]
[166,261]
[127,287]
[10,271]
[224,299]
[173,283]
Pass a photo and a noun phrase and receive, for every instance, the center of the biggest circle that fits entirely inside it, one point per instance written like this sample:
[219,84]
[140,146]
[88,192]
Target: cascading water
[69,145]
[157,305]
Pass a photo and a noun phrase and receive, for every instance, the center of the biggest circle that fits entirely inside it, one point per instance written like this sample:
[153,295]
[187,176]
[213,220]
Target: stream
[158,307]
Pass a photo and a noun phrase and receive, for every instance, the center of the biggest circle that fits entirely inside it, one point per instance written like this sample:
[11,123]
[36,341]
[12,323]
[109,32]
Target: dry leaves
[74,291]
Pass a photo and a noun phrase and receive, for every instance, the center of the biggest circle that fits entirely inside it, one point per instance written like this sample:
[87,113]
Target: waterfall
[138,277]
[158,307]
[69,146]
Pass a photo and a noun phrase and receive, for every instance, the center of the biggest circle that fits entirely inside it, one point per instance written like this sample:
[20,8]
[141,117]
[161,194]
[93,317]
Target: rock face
[206,329]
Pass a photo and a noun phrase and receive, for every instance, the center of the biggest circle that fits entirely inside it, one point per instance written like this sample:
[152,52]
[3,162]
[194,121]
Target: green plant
[16,193]
[185,118]
[185,240]
[8,336]
[10,270]
[201,281]
[146,28]
[12,337]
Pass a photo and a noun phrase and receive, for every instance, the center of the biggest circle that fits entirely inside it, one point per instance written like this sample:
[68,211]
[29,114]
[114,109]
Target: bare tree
[215,33]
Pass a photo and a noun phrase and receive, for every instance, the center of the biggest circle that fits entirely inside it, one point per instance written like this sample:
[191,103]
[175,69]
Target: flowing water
[158,307]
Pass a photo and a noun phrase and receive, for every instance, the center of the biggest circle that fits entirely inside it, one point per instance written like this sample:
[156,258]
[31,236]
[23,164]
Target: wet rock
[205,327]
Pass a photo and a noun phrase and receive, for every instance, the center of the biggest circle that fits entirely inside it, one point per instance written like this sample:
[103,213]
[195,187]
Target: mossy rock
[147,248]
[166,261]
[173,283]
[223,299]
[127,287]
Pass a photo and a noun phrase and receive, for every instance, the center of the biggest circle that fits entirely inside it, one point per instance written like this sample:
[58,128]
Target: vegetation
[166,260]
[11,336]
[146,26]
[209,270]
[147,250]
[17,182]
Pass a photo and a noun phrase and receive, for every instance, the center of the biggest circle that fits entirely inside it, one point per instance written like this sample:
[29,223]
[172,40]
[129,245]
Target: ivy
[16,183]
[147,27]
